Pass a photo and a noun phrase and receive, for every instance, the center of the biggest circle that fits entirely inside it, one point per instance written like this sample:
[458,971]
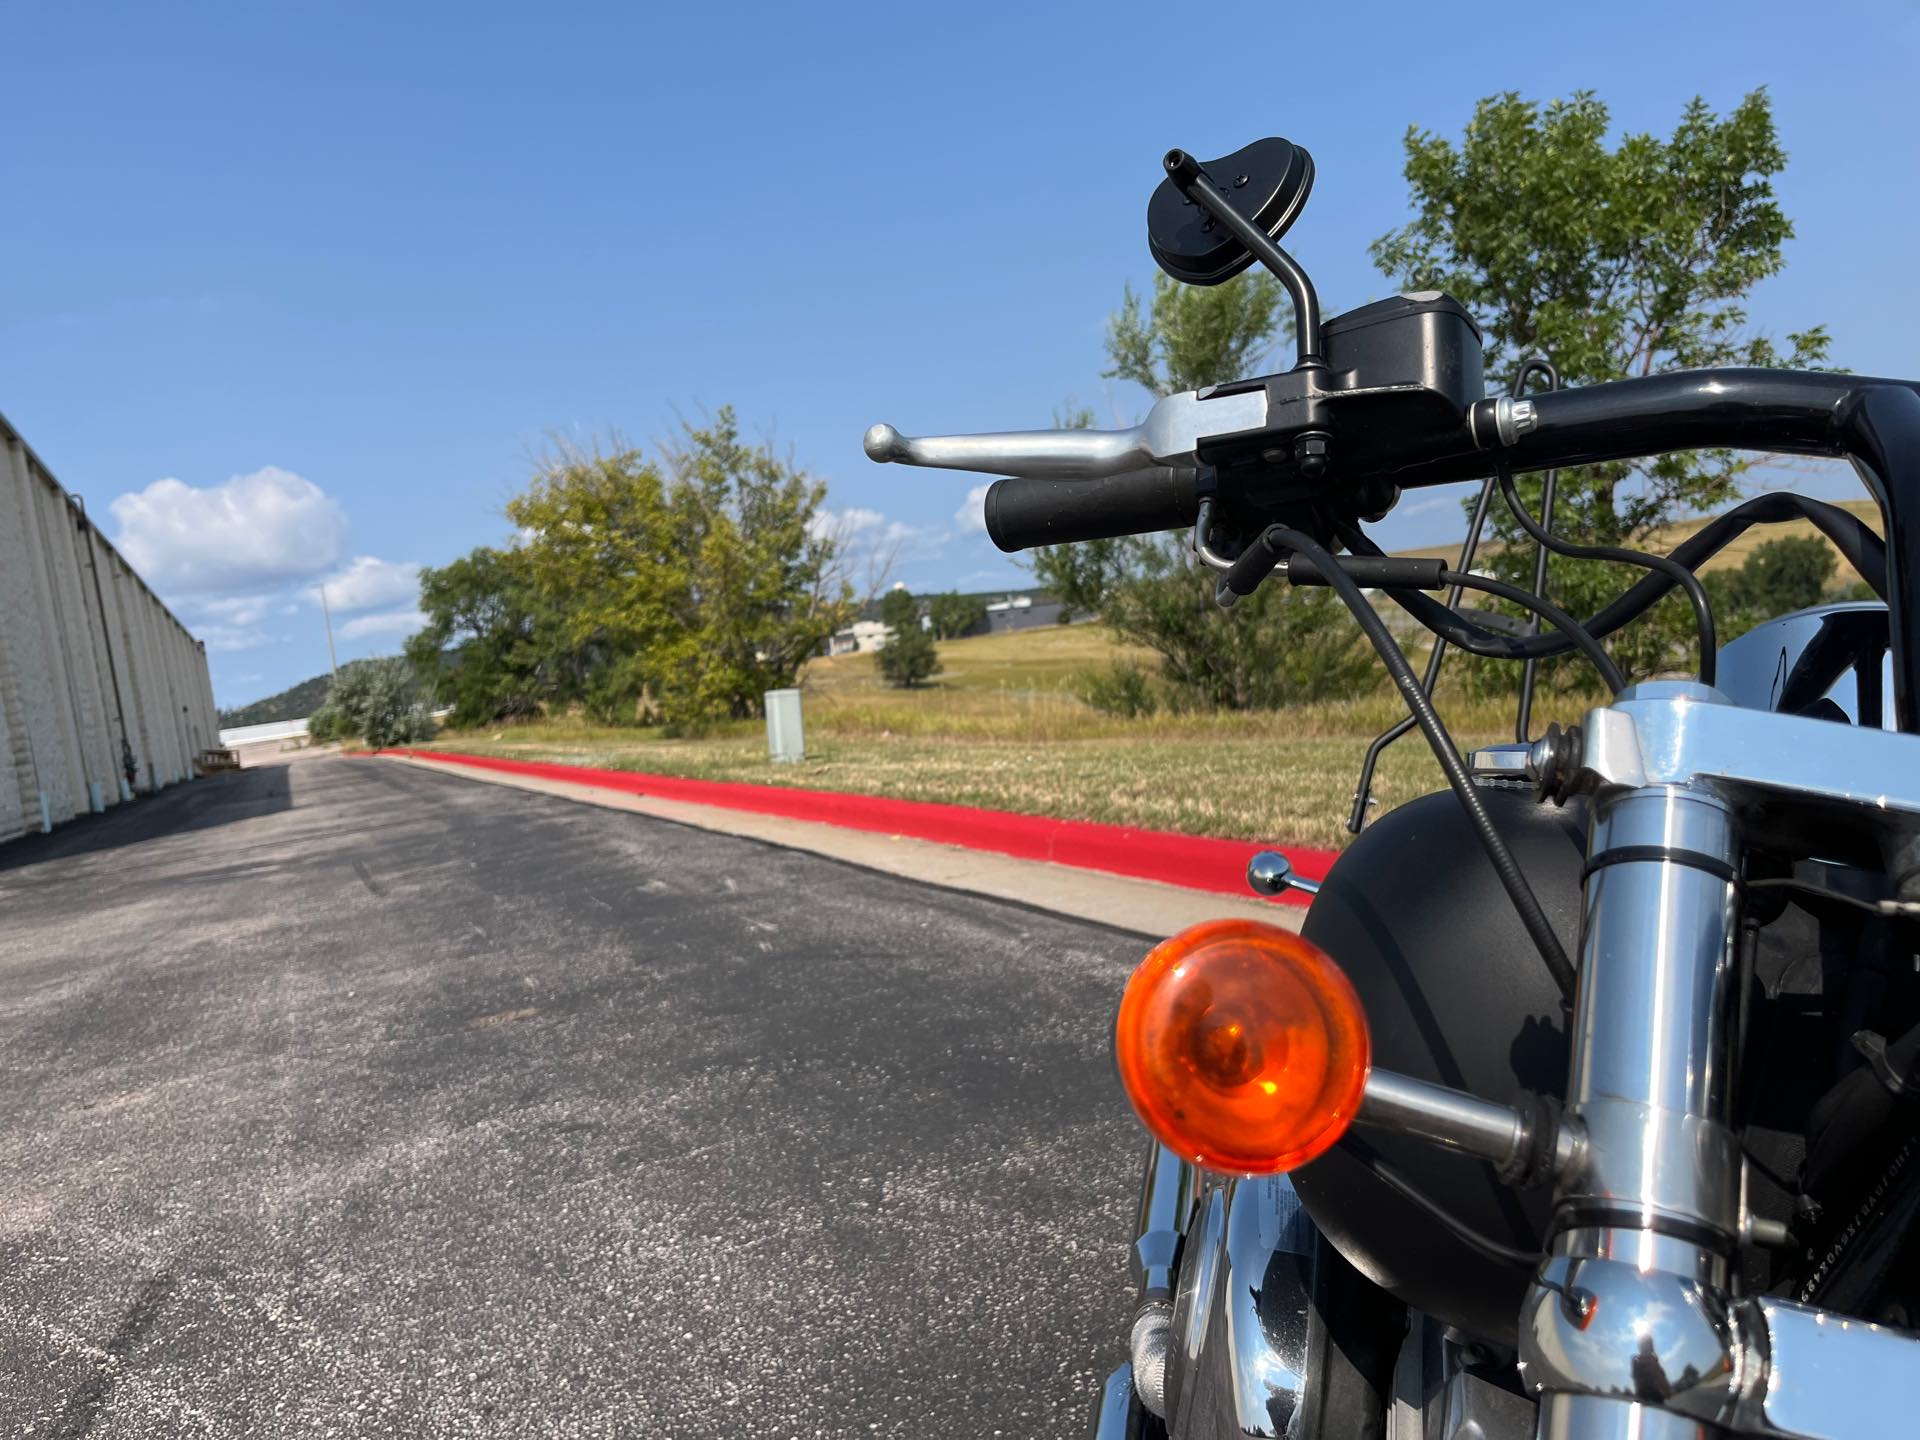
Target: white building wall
[63,642]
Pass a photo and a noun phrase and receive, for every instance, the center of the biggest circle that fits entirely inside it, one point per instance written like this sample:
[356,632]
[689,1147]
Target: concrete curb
[1191,862]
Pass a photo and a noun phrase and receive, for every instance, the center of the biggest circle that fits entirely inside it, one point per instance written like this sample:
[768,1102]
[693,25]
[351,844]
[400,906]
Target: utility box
[784,740]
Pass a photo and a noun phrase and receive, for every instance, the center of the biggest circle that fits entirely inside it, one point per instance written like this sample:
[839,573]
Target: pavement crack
[366,878]
[84,1406]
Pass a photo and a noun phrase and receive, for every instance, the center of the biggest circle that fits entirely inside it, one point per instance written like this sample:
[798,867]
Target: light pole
[333,666]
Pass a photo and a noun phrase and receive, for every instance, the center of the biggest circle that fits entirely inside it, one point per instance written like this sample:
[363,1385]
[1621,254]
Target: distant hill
[296,703]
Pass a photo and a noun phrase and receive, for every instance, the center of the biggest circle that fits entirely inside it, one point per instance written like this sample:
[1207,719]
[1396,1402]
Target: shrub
[1124,688]
[908,656]
[376,700]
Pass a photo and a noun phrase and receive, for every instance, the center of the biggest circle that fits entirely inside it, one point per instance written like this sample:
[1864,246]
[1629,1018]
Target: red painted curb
[1196,862]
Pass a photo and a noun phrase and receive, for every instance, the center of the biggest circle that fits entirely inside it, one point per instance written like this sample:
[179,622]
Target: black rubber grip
[1023,513]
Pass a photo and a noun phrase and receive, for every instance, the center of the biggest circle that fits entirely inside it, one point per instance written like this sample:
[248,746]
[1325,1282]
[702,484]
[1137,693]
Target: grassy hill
[294,703]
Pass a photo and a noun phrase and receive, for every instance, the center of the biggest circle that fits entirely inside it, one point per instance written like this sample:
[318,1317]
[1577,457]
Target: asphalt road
[344,1098]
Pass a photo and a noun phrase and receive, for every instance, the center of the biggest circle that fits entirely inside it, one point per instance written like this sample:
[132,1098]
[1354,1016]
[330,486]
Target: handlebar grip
[1023,512]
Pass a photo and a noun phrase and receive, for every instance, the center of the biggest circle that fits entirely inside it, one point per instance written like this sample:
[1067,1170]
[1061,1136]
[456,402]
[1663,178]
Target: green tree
[1778,577]
[954,614]
[1277,647]
[908,657]
[1613,260]
[494,647]
[377,701]
[1193,336]
[699,580]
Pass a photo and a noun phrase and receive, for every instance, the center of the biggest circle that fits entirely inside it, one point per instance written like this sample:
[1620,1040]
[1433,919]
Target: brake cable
[1525,903]
[1363,787]
[1665,564]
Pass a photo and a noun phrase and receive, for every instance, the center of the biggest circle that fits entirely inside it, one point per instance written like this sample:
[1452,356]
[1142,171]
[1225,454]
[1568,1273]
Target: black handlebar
[1022,513]
[1876,423]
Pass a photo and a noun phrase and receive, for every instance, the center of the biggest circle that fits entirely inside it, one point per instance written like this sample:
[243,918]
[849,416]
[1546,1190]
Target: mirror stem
[1193,182]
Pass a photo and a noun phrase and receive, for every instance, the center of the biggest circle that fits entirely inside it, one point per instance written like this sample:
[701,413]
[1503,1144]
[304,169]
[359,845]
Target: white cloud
[850,524]
[972,516]
[369,584]
[240,610]
[267,527]
[865,532]
[232,637]
[397,624]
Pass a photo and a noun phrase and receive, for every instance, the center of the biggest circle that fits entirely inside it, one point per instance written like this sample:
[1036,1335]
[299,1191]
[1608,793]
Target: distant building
[1006,610]
[1025,611]
[861,635]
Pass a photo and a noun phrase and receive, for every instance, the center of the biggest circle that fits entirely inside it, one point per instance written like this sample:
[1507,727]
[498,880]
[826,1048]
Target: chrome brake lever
[1171,434]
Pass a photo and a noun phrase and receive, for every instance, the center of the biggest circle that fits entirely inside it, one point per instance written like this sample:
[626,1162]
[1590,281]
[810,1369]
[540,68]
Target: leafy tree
[494,646]
[699,581]
[1192,336]
[1613,260]
[377,701]
[1275,648]
[1778,577]
[908,656]
[954,614]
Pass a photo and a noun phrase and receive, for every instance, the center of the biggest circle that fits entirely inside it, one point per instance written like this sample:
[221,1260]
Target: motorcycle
[1582,1106]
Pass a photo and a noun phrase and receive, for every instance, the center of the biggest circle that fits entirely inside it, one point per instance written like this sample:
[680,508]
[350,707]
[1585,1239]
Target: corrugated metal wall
[93,668]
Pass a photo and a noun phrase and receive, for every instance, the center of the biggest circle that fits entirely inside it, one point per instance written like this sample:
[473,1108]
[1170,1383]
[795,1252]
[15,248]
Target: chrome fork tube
[1657,1185]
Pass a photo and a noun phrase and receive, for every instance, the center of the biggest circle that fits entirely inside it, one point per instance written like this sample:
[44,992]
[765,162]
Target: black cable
[1665,565]
[1525,903]
[1454,628]
[1615,680]
[1486,1245]
[1855,541]
[1370,762]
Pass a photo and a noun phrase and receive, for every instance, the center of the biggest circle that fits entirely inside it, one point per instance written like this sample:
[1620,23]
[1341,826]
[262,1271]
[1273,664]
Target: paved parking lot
[345,1098]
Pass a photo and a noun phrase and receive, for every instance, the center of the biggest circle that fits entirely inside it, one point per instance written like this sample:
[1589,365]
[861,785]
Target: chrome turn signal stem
[1519,1141]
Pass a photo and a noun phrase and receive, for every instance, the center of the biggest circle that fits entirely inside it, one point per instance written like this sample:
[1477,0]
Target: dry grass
[1002,728]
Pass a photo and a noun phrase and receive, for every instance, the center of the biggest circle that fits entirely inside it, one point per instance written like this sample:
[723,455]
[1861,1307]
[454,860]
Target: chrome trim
[1166,1201]
[1621,1327]
[1607,1328]
[1240,1319]
[1116,1416]
[1506,762]
[1166,1206]
[1455,1120]
[1680,733]
[1202,526]
[1513,418]
[1170,435]
[1829,1376]
[1271,873]
[1612,1343]
[1650,1034]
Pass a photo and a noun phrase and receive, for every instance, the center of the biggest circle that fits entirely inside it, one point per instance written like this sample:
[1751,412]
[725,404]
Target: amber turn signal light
[1243,1047]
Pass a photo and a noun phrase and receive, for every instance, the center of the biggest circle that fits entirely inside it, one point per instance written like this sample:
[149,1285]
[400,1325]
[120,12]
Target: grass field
[1001,727]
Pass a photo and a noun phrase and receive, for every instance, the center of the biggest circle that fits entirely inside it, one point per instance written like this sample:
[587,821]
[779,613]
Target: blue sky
[303,288]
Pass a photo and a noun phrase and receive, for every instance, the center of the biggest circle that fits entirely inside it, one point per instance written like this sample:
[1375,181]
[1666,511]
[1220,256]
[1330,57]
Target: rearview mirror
[1267,181]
